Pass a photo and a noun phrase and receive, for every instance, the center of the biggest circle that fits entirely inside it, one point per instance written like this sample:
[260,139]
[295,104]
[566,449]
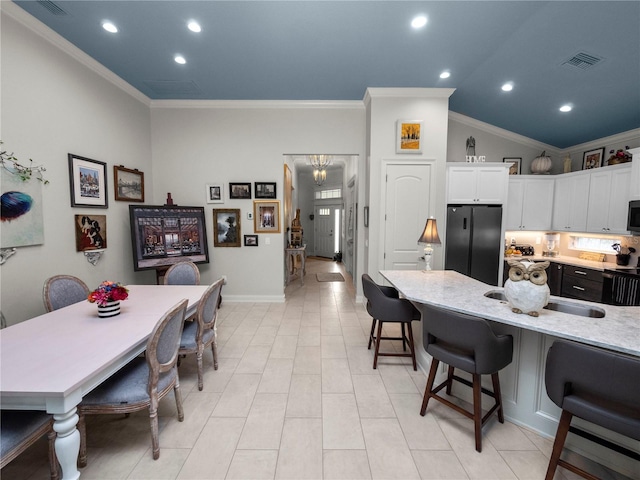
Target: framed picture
[162,235]
[592,158]
[240,190]
[91,232]
[265,190]
[88,182]
[226,227]
[128,184]
[266,216]
[516,162]
[409,136]
[251,240]
[215,193]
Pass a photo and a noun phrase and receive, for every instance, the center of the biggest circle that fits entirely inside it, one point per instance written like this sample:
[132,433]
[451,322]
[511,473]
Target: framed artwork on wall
[516,163]
[88,182]
[592,158]
[251,240]
[226,227]
[409,136]
[91,232]
[265,190]
[215,193]
[240,190]
[266,216]
[128,184]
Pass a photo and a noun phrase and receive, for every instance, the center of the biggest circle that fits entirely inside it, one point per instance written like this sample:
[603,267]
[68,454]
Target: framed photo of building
[409,136]
[240,190]
[215,193]
[592,158]
[226,227]
[128,184]
[266,216]
[88,182]
[265,190]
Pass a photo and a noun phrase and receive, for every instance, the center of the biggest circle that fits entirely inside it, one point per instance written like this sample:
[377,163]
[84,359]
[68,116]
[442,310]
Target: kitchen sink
[558,306]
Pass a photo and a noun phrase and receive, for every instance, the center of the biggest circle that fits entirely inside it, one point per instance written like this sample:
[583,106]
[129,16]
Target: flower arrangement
[620,156]
[108,292]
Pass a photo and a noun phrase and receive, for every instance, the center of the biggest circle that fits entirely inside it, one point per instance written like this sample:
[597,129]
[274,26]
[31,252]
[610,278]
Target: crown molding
[40,29]
[501,132]
[618,138]
[260,104]
[407,93]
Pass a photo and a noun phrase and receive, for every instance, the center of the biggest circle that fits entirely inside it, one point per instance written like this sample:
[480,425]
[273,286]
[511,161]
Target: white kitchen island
[523,390]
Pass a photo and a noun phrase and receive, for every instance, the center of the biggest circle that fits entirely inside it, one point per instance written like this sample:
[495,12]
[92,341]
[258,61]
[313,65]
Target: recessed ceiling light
[419,21]
[180,59]
[109,27]
[566,108]
[194,26]
[507,87]
[445,74]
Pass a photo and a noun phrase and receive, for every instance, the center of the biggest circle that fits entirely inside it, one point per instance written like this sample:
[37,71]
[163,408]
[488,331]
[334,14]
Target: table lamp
[429,236]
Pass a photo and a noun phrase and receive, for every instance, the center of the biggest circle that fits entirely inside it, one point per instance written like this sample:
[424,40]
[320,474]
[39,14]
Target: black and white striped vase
[110,309]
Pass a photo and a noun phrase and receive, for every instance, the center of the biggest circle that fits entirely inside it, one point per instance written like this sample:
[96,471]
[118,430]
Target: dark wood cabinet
[554,278]
[582,283]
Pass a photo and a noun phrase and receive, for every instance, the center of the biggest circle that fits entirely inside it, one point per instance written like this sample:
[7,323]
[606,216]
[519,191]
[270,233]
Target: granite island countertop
[618,330]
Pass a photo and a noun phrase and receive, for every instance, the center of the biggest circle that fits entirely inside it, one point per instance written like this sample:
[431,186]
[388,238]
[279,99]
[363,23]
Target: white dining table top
[51,361]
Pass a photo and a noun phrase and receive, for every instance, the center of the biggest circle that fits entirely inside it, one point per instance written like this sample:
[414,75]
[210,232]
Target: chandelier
[319,164]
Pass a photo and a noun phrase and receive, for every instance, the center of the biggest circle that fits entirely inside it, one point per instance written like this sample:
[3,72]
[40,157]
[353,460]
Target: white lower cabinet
[530,203]
[609,200]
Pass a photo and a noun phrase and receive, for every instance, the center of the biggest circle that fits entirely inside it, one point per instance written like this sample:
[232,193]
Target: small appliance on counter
[526,250]
[552,241]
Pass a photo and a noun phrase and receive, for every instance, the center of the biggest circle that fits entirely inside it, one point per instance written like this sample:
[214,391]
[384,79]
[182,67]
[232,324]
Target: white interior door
[325,230]
[406,211]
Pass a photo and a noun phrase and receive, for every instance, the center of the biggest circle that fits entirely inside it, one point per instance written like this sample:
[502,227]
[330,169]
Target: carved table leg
[67,443]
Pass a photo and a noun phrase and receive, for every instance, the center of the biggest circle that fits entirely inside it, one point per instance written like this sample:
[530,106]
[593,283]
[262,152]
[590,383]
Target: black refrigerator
[474,241]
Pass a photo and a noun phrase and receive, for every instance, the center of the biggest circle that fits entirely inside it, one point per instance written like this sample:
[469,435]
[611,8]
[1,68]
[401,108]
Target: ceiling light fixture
[319,176]
[180,59]
[419,21]
[445,74]
[507,87]
[194,26]
[566,108]
[320,164]
[109,27]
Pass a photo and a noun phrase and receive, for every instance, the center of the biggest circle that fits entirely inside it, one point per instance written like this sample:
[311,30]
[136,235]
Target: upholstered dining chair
[20,430]
[142,383]
[465,342]
[384,305]
[182,273]
[200,333]
[63,290]
[595,385]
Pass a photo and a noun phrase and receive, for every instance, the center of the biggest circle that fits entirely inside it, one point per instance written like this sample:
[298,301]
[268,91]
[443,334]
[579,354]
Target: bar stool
[467,343]
[384,305]
[598,386]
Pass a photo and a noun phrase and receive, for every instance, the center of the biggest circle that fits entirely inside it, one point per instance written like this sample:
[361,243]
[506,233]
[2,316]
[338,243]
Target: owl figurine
[526,288]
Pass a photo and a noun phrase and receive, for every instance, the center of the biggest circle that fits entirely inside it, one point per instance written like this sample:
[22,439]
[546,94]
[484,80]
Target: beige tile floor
[296,398]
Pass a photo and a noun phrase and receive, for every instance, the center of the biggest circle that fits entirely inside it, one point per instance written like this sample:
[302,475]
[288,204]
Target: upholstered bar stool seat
[384,305]
[467,343]
[595,385]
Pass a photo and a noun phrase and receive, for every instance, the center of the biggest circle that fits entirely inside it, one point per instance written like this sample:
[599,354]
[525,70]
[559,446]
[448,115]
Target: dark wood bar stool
[467,343]
[595,385]
[384,305]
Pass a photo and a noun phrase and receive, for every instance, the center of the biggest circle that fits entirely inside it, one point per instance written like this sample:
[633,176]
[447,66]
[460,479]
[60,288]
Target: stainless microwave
[633,219]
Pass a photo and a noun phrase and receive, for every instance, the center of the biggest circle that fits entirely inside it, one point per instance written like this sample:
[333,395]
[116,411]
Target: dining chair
[465,342]
[595,385]
[384,305]
[200,333]
[182,273]
[142,383]
[63,290]
[20,430]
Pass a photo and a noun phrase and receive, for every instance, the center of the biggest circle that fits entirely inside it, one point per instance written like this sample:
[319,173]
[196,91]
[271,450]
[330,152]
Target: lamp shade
[430,233]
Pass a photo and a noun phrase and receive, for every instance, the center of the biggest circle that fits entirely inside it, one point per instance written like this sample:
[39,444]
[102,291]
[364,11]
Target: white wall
[195,143]
[53,105]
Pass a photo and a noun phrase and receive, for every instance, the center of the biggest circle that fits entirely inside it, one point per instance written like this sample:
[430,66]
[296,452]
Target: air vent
[173,87]
[52,7]
[582,61]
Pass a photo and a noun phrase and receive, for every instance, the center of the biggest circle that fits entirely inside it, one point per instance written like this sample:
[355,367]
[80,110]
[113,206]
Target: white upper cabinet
[609,199]
[529,203]
[482,183]
[570,202]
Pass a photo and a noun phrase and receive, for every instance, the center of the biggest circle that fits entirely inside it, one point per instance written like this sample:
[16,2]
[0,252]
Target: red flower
[108,291]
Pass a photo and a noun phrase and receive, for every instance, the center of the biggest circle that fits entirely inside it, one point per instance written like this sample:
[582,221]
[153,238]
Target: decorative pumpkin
[541,164]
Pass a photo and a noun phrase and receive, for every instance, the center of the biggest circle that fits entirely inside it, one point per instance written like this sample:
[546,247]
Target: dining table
[50,362]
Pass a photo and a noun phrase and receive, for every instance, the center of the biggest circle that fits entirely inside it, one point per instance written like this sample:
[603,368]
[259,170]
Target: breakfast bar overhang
[523,391]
